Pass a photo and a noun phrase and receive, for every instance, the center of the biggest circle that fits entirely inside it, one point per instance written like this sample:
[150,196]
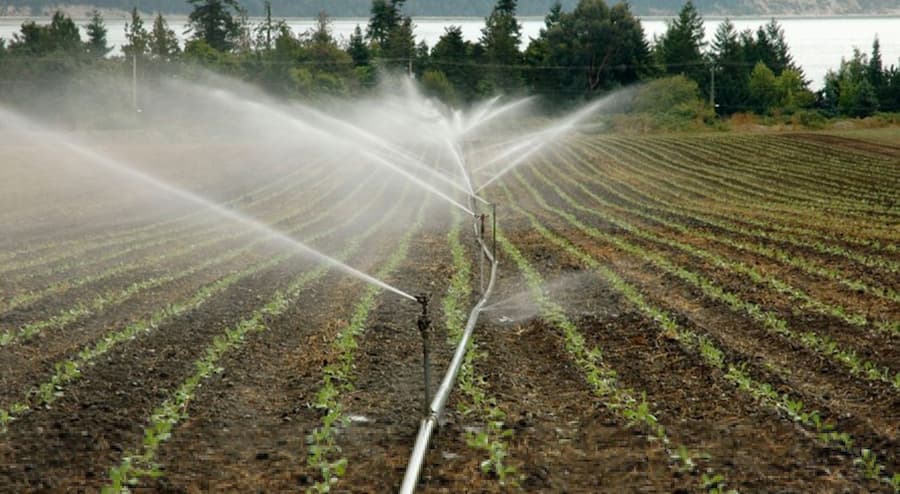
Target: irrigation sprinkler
[435,410]
[424,323]
[494,230]
[481,218]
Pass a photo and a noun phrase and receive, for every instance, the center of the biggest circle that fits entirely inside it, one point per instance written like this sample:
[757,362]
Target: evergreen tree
[849,91]
[331,67]
[421,59]
[780,58]
[554,16]
[876,67]
[358,49]
[38,40]
[400,46]
[163,42]
[321,34]
[681,47]
[730,70]
[64,33]
[385,17]
[630,58]
[96,31]
[889,98]
[500,38]
[865,102]
[217,22]
[136,36]
[452,56]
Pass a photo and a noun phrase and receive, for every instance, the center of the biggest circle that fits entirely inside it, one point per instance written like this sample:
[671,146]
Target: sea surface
[817,43]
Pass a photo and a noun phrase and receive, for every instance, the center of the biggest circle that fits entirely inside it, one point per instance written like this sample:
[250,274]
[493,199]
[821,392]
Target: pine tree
[358,49]
[64,33]
[385,17]
[96,30]
[452,56]
[876,67]
[217,22]
[500,38]
[730,69]
[400,46]
[554,16]
[321,34]
[136,35]
[681,47]
[163,42]
[779,58]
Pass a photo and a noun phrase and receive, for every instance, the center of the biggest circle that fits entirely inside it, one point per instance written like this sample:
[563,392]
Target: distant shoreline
[711,17]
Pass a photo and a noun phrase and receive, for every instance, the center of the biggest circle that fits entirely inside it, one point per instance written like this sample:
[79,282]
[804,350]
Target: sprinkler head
[423,322]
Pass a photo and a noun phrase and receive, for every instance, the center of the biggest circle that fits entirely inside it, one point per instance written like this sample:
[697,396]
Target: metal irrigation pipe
[430,422]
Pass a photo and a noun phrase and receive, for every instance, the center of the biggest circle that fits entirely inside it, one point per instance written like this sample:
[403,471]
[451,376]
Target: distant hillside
[360,8]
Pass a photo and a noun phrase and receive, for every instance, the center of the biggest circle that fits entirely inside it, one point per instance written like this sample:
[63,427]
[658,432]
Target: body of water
[817,43]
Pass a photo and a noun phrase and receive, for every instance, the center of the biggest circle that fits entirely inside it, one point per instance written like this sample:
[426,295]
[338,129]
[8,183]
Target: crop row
[494,439]
[155,231]
[782,168]
[810,173]
[111,234]
[195,240]
[646,200]
[675,185]
[743,186]
[865,161]
[805,300]
[764,393]
[173,410]
[338,376]
[125,267]
[600,376]
[112,298]
[64,285]
[70,369]
[766,319]
[687,175]
[733,223]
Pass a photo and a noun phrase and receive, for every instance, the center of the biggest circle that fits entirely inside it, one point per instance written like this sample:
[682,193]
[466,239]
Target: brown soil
[246,428]
[879,149]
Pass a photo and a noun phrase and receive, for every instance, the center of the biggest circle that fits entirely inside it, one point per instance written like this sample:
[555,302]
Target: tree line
[580,54]
[457,8]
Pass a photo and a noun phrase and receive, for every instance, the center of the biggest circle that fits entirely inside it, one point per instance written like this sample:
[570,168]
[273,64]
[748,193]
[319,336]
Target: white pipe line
[429,423]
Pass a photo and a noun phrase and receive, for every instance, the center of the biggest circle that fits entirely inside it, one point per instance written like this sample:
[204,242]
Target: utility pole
[268,25]
[134,101]
[712,89]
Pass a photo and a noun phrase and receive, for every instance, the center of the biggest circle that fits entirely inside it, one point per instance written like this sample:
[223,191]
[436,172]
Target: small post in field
[424,323]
